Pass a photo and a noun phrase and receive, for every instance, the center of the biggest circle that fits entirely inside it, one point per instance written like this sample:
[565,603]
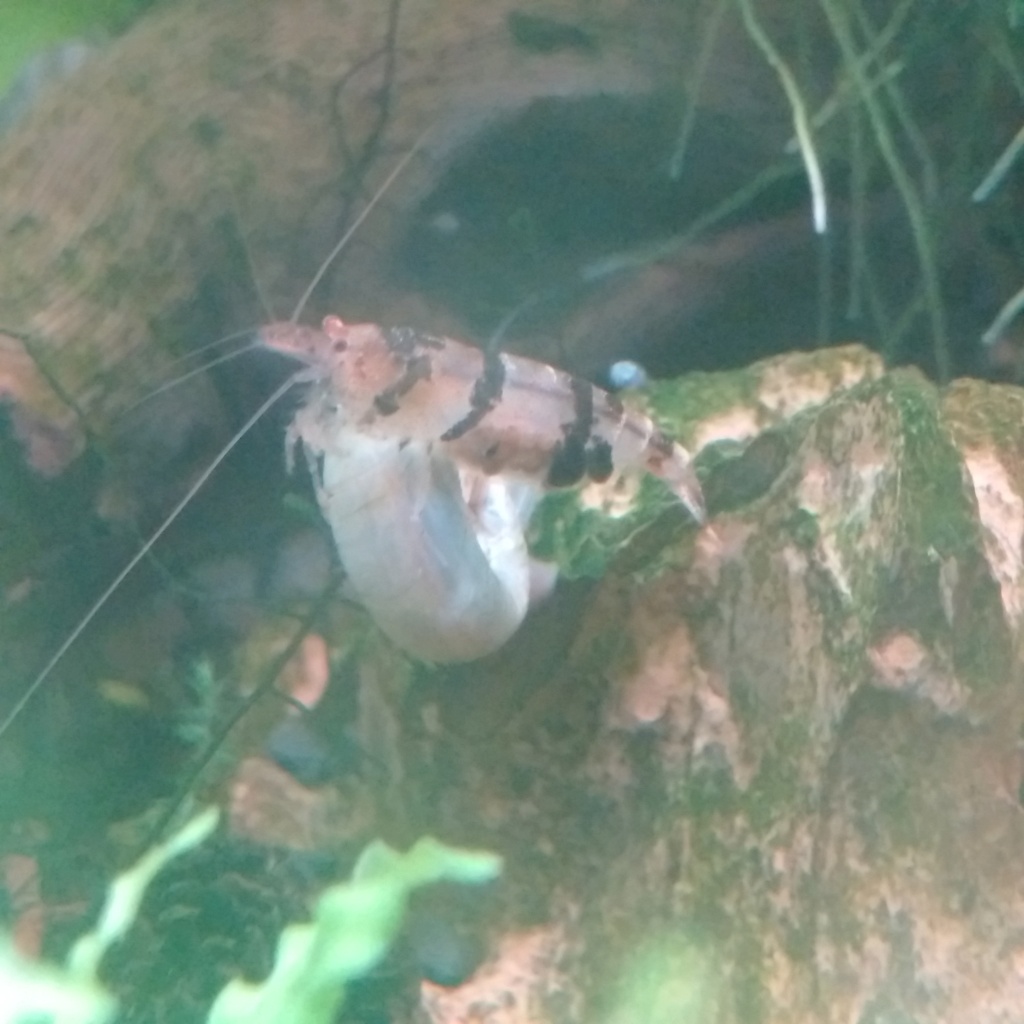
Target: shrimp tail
[681,477]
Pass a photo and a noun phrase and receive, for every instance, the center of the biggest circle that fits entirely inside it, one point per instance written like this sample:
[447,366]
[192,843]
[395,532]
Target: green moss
[667,978]
[207,130]
[934,506]
[939,525]
[680,405]
[779,787]
[804,529]
[582,541]
[750,995]
[30,26]
[709,790]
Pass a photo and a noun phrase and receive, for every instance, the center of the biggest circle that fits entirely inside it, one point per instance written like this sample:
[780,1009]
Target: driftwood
[778,776]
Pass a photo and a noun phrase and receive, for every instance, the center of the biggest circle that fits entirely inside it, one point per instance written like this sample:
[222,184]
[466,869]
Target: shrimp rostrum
[429,456]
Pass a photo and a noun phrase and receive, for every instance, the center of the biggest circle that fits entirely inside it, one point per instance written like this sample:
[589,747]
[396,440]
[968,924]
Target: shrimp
[429,456]
[499,413]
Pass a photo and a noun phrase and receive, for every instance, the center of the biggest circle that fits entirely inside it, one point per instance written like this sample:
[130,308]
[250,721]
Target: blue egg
[626,375]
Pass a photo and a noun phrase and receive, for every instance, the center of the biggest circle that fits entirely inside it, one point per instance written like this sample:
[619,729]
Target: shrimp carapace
[498,413]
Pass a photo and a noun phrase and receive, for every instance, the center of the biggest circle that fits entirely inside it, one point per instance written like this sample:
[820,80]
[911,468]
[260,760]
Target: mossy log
[778,776]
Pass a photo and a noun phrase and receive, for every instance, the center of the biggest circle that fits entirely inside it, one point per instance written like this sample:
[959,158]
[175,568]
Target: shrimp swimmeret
[429,456]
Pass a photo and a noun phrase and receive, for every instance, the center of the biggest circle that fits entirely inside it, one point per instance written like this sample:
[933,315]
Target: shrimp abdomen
[412,548]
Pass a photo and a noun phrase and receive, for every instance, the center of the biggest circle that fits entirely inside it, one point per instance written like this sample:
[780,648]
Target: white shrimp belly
[438,558]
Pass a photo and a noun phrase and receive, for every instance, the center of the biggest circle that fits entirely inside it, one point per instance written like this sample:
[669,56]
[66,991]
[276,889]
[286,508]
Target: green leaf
[28,26]
[353,925]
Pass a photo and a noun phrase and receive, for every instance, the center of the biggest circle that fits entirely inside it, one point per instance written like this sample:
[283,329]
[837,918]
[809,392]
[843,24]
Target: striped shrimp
[429,456]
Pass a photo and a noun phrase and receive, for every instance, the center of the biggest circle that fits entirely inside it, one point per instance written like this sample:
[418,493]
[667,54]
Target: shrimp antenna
[194,489]
[499,332]
[356,224]
[140,555]
[183,377]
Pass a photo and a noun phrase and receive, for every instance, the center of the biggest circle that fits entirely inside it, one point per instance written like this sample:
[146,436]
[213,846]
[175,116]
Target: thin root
[801,122]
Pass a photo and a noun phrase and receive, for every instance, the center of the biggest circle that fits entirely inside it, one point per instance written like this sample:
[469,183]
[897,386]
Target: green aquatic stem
[801,121]
[843,35]
[35,992]
[74,995]
[709,38]
[1000,168]
[1006,315]
[353,926]
[126,892]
